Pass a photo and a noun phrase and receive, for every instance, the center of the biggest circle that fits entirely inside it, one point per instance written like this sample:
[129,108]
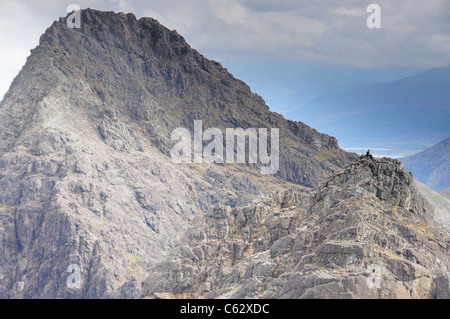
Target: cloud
[15,58]
[332,32]
[273,6]
[349,12]
[414,33]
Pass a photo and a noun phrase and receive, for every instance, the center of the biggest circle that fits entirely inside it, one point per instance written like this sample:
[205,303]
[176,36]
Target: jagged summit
[146,33]
[365,221]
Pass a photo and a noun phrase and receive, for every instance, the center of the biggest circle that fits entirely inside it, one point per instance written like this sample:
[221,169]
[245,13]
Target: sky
[288,51]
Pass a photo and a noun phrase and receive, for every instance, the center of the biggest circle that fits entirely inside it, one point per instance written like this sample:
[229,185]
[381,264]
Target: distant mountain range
[432,166]
[408,113]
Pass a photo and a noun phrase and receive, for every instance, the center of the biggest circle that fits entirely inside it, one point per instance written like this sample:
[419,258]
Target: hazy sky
[258,35]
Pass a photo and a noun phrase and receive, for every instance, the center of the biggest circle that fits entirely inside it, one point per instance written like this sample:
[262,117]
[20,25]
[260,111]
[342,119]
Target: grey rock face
[366,232]
[85,176]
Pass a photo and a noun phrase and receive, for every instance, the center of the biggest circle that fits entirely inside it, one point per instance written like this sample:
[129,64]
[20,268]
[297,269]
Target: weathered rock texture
[85,172]
[364,233]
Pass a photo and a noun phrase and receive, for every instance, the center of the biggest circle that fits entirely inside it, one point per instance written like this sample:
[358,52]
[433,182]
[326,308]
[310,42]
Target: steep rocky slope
[364,233]
[85,173]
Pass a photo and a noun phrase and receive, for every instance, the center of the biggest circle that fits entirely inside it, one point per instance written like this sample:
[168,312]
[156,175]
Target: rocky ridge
[366,232]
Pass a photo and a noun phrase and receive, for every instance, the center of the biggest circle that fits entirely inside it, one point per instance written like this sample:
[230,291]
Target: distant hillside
[432,166]
[445,192]
[439,201]
[413,110]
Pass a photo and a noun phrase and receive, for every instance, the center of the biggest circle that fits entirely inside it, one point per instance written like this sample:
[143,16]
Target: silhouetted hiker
[368,155]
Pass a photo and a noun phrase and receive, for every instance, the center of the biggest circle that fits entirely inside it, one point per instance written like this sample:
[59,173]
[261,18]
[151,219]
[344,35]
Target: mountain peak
[116,30]
[141,70]
[86,176]
[96,22]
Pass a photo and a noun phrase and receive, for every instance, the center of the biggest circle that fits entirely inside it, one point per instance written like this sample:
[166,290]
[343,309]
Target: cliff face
[364,233]
[85,173]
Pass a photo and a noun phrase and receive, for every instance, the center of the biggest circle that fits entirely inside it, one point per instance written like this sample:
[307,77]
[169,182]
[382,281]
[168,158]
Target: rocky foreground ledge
[364,233]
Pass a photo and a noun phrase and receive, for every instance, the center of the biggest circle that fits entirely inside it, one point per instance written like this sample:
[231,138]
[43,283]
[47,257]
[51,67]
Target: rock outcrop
[85,173]
[366,232]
